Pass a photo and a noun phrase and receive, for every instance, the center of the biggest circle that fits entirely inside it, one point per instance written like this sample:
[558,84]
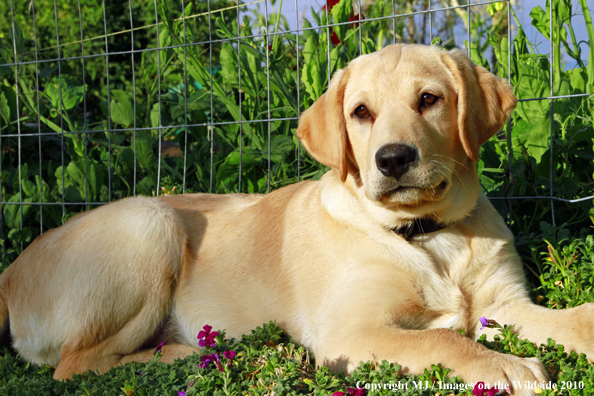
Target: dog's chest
[439,280]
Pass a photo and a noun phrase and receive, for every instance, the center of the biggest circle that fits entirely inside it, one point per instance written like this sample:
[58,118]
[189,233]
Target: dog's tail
[3,307]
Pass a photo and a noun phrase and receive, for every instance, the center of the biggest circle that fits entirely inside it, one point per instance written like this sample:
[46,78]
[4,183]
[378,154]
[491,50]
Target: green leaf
[20,236]
[495,7]
[4,108]
[144,150]
[72,92]
[476,55]
[342,12]
[312,80]
[156,110]
[223,31]
[229,64]
[540,20]
[164,42]
[76,185]
[281,146]
[146,186]
[309,49]
[532,83]
[76,146]
[122,112]
[17,37]
[534,137]
[30,189]
[12,212]
[67,189]
[228,172]
[10,97]
[578,79]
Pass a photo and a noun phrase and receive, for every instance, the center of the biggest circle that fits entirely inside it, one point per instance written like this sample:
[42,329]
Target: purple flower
[490,323]
[212,358]
[207,337]
[229,354]
[485,323]
[205,360]
[158,348]
[181,393]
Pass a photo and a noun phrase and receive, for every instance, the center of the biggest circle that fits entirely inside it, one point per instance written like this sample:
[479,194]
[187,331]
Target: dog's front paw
[519,376]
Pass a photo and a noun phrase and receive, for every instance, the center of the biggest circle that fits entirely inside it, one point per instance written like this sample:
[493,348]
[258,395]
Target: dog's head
[406,123]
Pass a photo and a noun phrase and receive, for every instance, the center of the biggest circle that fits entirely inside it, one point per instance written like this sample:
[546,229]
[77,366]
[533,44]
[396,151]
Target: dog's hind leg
[169,353]
[85,295]
[101,358]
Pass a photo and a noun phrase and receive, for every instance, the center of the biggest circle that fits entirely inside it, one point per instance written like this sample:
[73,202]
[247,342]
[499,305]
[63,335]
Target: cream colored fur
[319,257]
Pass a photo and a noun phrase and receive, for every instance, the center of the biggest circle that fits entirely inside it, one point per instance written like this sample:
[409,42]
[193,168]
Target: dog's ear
[322,127]
[485,101]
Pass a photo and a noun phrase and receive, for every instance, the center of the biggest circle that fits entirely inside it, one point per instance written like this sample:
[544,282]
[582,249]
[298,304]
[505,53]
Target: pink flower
[492,392]
[208,337]
[351,392]
[356,392]
[229,354]
[480,390]
[181,393]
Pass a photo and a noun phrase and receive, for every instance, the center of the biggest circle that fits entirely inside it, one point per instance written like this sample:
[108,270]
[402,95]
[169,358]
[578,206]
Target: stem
[556,37]
[577,52]
[276,36]
[225,381]
[590,30]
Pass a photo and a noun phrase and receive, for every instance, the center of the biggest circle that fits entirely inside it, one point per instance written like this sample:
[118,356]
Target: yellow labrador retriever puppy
[386,257]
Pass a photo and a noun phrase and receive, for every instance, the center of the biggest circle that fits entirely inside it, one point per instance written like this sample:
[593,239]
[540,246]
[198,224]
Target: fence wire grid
[103,101]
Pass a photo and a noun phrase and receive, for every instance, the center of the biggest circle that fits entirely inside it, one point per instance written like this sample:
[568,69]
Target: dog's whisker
[451,159]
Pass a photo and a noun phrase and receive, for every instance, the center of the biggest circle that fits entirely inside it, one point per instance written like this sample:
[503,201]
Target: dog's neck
[418,227]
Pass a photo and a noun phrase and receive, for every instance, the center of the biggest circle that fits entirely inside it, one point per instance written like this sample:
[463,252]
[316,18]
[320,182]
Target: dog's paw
[519,376]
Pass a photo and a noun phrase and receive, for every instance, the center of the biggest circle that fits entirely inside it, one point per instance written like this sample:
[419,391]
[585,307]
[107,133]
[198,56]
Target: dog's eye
[362,112]
[428,100]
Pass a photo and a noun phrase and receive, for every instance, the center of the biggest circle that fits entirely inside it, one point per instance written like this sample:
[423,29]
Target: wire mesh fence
[100,101]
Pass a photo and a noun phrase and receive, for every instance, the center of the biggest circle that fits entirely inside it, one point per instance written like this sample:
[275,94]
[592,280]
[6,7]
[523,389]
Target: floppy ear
[322,127]
[485,101]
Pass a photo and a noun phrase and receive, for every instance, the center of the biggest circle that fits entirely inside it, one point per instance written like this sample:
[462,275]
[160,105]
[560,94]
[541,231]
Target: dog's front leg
[570,327]
[416,350]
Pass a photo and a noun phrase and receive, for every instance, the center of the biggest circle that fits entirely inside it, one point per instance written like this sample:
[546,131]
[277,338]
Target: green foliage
[267,361]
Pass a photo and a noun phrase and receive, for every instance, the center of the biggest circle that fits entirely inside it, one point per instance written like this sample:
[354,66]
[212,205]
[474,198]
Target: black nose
[394,160]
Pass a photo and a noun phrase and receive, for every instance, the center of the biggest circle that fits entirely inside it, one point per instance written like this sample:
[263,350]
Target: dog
[387,256]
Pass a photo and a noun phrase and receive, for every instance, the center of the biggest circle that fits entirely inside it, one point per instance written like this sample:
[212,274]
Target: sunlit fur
[319,257]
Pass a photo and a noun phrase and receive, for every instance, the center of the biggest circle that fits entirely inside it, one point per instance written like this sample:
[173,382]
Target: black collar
[418,227]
